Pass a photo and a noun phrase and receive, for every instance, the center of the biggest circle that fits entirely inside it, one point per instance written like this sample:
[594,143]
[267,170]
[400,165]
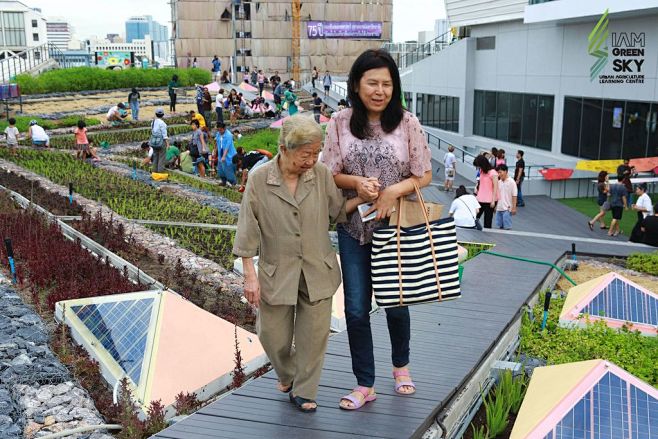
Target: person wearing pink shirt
[487,189]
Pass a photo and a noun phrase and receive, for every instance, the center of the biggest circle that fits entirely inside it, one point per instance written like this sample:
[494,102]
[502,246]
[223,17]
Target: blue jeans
[504,219]
[226,171]
[134,110]
[355,265]
[519,197]
[220,114]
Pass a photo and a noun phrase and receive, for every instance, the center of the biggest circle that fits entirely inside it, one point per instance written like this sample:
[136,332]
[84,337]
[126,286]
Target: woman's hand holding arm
[367,188]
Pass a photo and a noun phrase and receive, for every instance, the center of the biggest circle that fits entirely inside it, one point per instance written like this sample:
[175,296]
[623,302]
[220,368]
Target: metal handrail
[464,153]
[28,59]
[428,49]
[340,90]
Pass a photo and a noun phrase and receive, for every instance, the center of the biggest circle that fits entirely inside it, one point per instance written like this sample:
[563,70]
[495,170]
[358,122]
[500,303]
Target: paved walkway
[449,340]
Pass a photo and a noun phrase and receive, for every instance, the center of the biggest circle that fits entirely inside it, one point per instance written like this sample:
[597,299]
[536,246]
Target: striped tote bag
[418,264]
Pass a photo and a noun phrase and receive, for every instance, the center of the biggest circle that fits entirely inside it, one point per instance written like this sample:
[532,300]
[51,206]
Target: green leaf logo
[598,38]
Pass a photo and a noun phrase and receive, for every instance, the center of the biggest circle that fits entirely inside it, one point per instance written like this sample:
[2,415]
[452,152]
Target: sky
[100,17]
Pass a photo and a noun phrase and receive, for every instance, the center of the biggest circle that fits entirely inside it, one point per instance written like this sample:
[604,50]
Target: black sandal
[288,390]
[299,402]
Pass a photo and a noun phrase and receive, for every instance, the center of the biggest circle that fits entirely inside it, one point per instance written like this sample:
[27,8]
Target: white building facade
[562,80]
[59,32]
[21,27]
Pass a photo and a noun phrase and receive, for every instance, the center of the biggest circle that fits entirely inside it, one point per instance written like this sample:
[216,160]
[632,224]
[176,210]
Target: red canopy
[556,173]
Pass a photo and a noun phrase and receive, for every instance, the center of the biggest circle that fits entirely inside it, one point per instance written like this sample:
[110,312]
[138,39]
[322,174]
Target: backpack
[156,141]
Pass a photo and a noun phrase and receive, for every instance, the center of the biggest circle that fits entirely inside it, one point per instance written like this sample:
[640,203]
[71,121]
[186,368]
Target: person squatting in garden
[117,114]
[284,217]
[376,151]
[38,134]
[248,162]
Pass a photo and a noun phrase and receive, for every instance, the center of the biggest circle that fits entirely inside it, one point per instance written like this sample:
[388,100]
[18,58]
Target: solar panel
[625,302]
[609,411]
[122,329]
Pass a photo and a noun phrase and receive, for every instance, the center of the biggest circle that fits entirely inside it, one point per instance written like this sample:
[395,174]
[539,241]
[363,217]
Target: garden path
[449,341]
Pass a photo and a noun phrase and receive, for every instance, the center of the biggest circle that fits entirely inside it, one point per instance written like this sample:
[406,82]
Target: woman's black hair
[602,176]
[393,113]
[482,163]
[461,190]
[174,78]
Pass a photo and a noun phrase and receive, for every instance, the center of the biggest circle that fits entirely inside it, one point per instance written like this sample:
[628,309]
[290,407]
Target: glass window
[478,113]
[438,114]
[455,115]
[652,124]
[571,125]
[590,128]
[545,122]
[612,129]
[636,129]
[515,115]
[502,131]
[447,116]
[34,23]
[14,28]
[419,106]
[529,124]
[444,111]
[490,114]
[35,37]
[429,109]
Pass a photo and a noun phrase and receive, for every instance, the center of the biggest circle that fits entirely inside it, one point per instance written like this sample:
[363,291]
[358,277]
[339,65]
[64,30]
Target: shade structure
[556,173]
[161,342]
[609,166]
[248,87]
[587,399]
[646,164]
[213,87]
[279,123]
[615,300]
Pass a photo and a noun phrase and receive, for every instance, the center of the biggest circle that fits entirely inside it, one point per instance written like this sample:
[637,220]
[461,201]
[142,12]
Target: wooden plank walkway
[448,342]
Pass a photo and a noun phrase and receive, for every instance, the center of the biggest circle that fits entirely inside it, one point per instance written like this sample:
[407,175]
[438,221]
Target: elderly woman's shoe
[299,403]
[284,388]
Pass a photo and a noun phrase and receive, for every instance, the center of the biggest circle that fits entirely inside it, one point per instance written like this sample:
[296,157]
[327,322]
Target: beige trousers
[307,325]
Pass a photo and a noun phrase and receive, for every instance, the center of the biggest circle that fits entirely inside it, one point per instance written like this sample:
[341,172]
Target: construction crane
[296,29]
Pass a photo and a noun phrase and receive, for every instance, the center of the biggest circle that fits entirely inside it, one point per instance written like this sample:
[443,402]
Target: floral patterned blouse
[391,157]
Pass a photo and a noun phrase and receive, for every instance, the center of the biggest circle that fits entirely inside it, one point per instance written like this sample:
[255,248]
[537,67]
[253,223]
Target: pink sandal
[367,397]
[409,383]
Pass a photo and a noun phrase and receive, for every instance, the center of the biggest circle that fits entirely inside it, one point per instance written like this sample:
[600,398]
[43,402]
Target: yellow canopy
[548,387]
[599,165]
[577,293]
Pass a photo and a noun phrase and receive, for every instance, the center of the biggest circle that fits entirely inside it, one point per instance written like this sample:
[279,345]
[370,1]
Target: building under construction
[279,35]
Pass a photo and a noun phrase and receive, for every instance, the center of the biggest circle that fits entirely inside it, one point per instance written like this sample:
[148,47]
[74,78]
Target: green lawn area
[588,207]
[23,122]
[267,138]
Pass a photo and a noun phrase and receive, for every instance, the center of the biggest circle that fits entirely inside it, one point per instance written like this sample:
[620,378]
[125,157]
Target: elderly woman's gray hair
[299,130]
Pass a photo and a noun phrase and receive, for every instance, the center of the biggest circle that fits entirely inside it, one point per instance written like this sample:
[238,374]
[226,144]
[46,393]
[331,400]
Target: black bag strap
[469,209]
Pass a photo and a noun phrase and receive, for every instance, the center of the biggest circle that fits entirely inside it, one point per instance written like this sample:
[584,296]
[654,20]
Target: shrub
[643,262]
[128,412]
[238,371]
[186,403]
[155,419]
[92,78]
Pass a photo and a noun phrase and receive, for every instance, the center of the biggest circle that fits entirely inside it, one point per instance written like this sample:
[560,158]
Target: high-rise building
[59,32]
[138,27]
[332,33]
[564,81]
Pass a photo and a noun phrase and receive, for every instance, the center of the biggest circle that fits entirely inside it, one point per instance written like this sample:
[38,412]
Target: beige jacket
[291,232]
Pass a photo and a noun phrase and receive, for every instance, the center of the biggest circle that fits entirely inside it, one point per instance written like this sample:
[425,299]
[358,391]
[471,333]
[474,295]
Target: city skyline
[111,16]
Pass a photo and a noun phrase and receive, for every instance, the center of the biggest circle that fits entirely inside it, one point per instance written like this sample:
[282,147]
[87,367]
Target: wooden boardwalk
[448,342]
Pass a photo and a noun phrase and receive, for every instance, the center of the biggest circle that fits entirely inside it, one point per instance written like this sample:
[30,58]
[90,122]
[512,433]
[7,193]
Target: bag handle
[429,234]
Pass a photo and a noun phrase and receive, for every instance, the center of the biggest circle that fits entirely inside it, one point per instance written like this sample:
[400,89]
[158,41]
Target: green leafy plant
[628,349]
[512,389]
[480,432]
[497,412]
[133,427]
[186,403]
[643,262]
[92,78]
[23,122]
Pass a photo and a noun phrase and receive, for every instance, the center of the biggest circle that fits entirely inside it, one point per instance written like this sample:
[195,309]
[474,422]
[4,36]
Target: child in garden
[81,141]
[38,135]
[12,133]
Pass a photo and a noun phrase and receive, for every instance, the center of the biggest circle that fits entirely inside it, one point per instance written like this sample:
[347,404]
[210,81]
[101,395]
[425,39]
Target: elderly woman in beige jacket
[285,213]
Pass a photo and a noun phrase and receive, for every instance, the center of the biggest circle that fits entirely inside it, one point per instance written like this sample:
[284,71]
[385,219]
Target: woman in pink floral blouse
[375,150]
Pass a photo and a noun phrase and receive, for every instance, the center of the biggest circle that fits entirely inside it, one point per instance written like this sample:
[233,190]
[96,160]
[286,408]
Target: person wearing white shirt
[38,135]
[450,164]
[643,203]
[219,105]
[644,209]
[464,208]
